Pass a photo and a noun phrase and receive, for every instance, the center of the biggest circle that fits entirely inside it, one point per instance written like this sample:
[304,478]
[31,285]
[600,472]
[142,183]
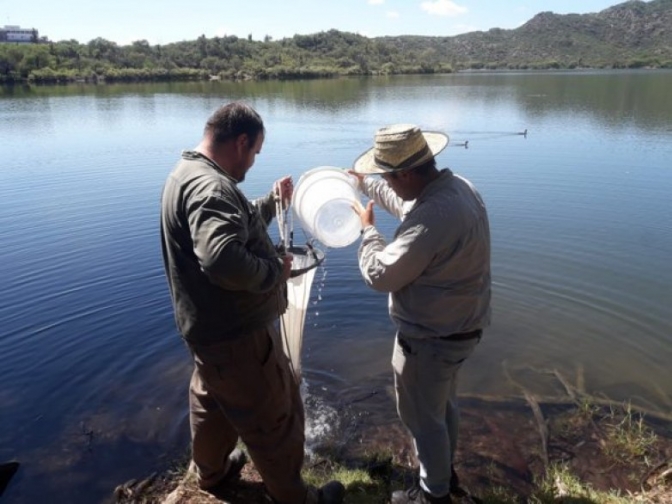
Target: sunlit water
[93,374]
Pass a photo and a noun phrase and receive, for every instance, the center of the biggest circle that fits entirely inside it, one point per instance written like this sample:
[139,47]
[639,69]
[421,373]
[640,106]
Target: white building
[10,33]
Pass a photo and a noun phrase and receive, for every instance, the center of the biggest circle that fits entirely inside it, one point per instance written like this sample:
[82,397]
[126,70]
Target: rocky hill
[634,33]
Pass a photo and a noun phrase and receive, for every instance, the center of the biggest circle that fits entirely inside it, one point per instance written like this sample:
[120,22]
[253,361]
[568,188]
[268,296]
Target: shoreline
[545,450]
[196,75]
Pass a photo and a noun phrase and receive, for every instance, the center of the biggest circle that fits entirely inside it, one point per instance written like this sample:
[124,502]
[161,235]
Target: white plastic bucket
[322,203]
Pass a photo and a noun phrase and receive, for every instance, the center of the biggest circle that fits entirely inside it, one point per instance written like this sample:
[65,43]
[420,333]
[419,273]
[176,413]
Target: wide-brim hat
[400,147]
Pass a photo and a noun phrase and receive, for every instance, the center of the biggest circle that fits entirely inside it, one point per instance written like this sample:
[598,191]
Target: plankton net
[305,260]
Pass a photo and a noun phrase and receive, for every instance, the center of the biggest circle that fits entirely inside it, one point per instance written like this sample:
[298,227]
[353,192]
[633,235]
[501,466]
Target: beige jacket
[437,268]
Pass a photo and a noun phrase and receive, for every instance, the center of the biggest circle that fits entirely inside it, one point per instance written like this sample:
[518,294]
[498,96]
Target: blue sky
[164,21]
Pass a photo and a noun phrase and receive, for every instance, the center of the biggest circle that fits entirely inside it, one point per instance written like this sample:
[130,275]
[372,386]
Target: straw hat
[400,147]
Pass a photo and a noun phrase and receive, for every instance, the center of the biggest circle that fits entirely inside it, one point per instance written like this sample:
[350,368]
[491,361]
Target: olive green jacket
[223,271]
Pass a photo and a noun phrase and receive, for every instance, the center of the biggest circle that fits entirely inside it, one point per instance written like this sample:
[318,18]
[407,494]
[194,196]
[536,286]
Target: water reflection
[611,101]
[594,93]
[324,94]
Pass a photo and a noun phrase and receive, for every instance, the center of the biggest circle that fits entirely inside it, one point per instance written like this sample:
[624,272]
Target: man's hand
[286,266]
[284,189]
[359,176]
[366,214]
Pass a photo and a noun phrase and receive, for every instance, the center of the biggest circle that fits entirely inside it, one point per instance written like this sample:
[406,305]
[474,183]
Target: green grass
[558,486]
[628,438]
[561,486]
[360,486]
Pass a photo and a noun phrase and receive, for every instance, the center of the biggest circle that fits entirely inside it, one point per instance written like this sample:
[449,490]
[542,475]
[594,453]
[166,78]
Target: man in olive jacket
[228,288]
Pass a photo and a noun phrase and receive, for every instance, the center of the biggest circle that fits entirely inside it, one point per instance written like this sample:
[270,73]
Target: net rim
[309,251]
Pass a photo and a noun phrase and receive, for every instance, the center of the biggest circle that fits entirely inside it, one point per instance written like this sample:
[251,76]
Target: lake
[93,375]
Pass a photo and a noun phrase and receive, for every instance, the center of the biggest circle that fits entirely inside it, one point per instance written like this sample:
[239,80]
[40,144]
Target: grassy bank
[579,453]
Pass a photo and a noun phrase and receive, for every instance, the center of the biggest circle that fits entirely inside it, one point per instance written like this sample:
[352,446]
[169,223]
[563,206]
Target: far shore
[195,75]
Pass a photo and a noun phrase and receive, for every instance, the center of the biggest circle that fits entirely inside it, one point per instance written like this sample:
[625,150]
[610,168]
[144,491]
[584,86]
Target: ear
[242,141]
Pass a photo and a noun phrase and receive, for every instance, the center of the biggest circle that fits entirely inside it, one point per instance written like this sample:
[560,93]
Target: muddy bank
[509,448]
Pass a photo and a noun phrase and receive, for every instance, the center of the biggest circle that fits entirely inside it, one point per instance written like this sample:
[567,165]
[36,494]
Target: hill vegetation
[633,34]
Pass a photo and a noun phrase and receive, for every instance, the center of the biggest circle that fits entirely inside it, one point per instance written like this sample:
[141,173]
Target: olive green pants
[243,389]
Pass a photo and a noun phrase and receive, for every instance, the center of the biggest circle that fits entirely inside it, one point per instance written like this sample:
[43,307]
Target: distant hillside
[629,35]
[633,33]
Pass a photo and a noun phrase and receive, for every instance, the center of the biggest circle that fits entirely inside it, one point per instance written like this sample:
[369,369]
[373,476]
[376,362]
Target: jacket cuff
[368,231]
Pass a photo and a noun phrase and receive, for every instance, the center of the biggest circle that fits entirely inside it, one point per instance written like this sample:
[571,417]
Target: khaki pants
[425,378]
[244,389]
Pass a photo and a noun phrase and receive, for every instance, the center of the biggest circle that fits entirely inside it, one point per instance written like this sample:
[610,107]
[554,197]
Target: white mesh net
[305,260]
[292,322]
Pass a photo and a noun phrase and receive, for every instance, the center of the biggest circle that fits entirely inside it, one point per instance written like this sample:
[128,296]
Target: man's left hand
[284,188]
[365,213]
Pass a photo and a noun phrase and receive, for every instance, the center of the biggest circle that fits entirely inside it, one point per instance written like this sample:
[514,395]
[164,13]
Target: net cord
[281,211]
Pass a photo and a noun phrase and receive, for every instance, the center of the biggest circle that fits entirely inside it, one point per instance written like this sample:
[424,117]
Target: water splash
[322,420]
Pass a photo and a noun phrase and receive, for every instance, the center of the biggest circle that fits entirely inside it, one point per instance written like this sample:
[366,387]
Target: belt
[463,336]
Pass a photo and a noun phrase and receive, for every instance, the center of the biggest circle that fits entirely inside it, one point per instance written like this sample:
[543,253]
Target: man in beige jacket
[437,273]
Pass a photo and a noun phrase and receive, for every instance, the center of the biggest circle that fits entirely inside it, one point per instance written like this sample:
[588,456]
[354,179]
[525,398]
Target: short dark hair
[232,120]
[426,168]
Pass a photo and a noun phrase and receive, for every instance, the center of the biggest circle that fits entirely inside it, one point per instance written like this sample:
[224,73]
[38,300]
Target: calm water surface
[93,376]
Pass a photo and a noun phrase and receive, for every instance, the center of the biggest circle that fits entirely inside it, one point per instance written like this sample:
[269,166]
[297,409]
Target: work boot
[455,488]
[237,460]
[457,491]
[332,492]
[416,495]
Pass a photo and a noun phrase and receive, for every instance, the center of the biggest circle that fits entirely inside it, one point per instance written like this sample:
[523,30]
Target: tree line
[325,54]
